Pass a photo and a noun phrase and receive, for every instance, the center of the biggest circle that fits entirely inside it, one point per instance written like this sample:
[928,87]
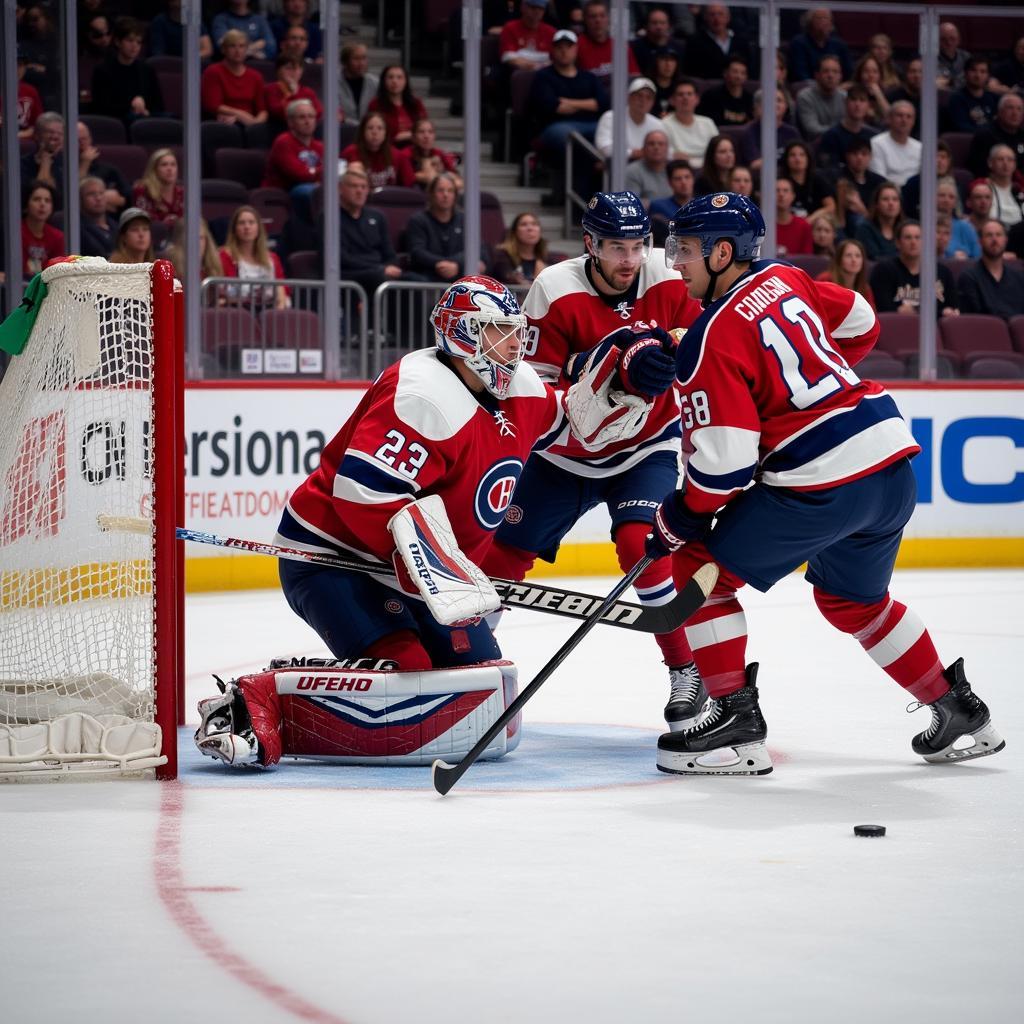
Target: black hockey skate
[957,714]
[688,698]
[729,740]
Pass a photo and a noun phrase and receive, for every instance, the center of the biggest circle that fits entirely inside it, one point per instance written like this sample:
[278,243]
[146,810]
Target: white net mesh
[76,607]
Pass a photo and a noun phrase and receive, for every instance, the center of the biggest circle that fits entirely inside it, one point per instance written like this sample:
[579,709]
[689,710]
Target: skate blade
[682,724]
[744,759]
[986,741]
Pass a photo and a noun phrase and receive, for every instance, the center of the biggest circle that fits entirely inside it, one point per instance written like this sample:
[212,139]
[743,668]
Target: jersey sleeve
[386,465]
[550,339]
[850,320]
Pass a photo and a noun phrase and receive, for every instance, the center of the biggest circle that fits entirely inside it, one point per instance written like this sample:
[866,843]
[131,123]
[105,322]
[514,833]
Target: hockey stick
[695,593]
[552,600]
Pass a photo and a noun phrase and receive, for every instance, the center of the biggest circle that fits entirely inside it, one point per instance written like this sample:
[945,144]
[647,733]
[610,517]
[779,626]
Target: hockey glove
[674,524]
[648,363]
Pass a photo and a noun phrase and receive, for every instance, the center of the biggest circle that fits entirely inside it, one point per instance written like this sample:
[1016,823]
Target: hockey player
[795,459]
[617,288]
[422,474]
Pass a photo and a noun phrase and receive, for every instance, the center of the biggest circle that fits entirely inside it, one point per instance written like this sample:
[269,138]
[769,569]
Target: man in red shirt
[595,44]
[793,235]
[296,159]
[526,41]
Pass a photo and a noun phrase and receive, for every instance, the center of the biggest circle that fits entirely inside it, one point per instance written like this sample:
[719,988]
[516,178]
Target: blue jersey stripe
[831,433]
[720,482]
[373,477]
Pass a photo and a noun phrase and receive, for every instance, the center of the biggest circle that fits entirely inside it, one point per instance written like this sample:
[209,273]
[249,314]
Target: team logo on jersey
[719,201]
[494,492]
[393,606]
[624,309]
[514,514]
[506,428]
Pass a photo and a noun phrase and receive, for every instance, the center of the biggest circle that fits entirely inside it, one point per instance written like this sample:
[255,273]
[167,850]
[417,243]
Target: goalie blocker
[358,711]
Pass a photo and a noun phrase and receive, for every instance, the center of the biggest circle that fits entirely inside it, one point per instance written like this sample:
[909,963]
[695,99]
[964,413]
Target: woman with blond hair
[524,252]
[849,267]
[158,191]
[134,238]
[868,73]
[245,255]
[209,261]
[880,47]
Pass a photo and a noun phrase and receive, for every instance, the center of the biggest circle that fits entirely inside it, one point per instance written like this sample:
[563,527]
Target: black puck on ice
[869,830]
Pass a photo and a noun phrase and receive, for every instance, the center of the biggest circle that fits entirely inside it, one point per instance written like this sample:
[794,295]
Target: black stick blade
[444,775]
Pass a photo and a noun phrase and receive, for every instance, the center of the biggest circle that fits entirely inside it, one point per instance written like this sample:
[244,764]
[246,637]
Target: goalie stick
[552,600]
[694,594]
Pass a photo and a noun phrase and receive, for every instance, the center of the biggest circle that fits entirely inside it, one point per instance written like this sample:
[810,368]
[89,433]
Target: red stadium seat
[398,205]
[881,366]
[899,334]
[959,145]
[154,132]
[1016,326]
[810,264]
[995,368]
[222,197]
[305,265]
[165,63]
[274,208]
[226,330]
[172,90]
[973,336]
[246,166]
[129,160]
[290,328]
[105,131]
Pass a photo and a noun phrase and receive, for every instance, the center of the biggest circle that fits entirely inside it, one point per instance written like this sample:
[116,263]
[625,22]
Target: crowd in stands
[848,152]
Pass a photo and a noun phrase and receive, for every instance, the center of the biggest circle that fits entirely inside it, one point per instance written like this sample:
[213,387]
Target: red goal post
[91,621]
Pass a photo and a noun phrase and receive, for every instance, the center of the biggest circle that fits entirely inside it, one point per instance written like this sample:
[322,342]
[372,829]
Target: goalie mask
[479,321]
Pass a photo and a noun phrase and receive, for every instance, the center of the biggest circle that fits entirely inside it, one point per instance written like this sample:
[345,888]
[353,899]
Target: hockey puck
[869,830]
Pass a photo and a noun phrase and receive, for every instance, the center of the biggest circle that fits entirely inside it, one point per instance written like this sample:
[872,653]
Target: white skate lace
[714,712]
[932,729]
[685,684]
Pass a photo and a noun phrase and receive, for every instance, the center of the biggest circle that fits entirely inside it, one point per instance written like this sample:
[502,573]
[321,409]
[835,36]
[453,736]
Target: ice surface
[570,881]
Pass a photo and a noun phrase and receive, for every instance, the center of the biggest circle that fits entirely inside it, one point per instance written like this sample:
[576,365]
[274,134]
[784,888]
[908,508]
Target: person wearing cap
[639,121]
[565,100]
[134,238]
[525,42]
[595,44]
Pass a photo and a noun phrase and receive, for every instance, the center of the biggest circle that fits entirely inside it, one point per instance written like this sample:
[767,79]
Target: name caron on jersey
[758,299]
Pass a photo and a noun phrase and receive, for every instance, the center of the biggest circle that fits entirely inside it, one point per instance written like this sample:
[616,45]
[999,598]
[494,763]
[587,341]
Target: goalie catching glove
[430,565]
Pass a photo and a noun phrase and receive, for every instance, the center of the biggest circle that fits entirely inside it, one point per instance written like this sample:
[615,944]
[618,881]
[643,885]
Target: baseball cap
[642,83]
[563,35]
[537,3]
[132,213]
[666,51]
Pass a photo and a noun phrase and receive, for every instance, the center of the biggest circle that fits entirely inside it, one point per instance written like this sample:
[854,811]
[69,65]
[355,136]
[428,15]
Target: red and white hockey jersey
[767,392]
[418,431]
[567,315]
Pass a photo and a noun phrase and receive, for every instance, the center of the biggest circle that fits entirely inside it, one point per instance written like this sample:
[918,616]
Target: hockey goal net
[90,615]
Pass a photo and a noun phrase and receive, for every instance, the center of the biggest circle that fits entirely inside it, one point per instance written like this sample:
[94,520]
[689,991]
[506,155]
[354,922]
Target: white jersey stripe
[898,640]
[717,631]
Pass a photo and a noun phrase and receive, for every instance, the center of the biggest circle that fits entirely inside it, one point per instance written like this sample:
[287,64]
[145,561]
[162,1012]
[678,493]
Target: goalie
[421,474]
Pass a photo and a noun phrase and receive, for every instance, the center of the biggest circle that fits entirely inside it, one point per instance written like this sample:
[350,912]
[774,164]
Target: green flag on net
[15,330]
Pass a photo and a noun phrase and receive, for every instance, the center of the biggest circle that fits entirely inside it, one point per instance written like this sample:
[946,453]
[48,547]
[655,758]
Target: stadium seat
[398,205]
[492,220]
[172,90]
[214,136]
[956,267]
[1016,326]
[995,368]
[974,336]
[959,145]
[304,265]
[246,166]
[165,62]
[266,69]
[346,134]
[129,160]
[881,366]
[290,328]
[274,208]
[945,368]
[221,197]
[154,132]
[518,120]
[810,264]
[226,330]
[105,131]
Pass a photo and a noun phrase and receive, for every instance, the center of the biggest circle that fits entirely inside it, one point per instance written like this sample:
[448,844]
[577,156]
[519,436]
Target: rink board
[249,444]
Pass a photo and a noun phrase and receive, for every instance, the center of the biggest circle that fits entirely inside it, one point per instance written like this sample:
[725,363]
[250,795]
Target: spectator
[30,103]
[286,89]
[158,192]
[657,36]
[373,152]
[295,15]
[260,43]
[880,47]
[1008,74]
[823,104]
[296,159]
[358,87]
[124,86]
[910,91]
[823,236]
[793,236]
[713,44]
[435,235]
[427,160]
[856,186]
[94,41]
[944,173]
[749,147]
[46,163]
[833,144]
[973,106]
[979,205]
[646,176]
[1007,128]
[167,34]
[680,180]
[525,42]
[741,181]
[878,233]
[816,42]
[639,122]
[952,60]
[231,92]
[813,197]
[991,285]
[896,281]
[89,163]
[781,82]
[962,243]
[98,233]
[245,255]
[40,240]
[867,73]
[37,39]
[688,132]
[294,45]
[894,153]
[1007,194]
[398,106]
[209,260]
[729,103]
[523,254]
[134,238]
[595,44]
[719,160]
[849,268]
[666,77]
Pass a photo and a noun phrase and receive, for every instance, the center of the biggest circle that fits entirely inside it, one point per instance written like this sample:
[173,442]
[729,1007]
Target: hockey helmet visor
[703,221]
[615,222]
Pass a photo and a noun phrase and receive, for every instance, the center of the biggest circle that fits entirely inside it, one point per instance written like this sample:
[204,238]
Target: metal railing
[572,197]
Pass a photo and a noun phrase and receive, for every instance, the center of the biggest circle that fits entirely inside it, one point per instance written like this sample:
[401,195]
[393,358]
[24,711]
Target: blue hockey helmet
[711,218]
[616,215]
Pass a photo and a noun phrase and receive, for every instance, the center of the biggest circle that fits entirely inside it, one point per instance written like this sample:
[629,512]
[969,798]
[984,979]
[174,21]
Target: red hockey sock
[654,586]
[404,647]
[894,637]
